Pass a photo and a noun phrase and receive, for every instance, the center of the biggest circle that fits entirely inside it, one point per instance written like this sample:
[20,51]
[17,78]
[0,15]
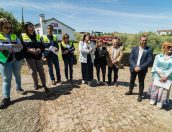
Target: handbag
[165,85]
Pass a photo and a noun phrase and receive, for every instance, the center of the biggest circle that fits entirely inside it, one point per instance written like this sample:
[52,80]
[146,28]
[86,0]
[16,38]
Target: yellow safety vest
[4,55]
[64,45]
[46,39]
[26,38]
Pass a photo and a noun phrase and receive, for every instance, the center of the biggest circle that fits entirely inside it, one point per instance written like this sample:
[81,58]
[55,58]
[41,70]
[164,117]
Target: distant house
[164,32]
[59,27]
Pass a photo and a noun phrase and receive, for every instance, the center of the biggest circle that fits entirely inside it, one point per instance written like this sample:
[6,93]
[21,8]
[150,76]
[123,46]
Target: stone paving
[80,108]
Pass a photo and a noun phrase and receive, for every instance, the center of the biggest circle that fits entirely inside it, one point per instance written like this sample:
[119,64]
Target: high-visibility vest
[46,39]
[64,45]
[28,42]
[4,55]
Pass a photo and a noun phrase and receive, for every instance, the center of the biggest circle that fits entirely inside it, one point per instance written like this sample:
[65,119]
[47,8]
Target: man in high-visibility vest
[51,54]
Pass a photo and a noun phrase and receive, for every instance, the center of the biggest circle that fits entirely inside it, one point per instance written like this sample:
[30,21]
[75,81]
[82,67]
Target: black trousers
[115,70]
[141,77]
[103,69]
[87,71]
[68,63]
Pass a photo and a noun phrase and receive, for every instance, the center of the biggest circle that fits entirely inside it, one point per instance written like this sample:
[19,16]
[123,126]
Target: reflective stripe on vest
[64,45]
[27,39]
[46,39]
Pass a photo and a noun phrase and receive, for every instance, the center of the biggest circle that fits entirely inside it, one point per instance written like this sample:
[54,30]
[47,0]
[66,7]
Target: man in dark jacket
[140,58]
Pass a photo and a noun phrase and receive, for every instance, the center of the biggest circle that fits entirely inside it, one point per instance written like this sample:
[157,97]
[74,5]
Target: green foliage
[17,27]
[78,36]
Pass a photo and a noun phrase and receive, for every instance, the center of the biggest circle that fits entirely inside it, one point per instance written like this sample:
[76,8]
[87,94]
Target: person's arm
[72,48]
[131,59]
[149,60]
[83,50]
[17,47]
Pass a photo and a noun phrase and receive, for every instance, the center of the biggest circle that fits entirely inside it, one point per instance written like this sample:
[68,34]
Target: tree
[17,26]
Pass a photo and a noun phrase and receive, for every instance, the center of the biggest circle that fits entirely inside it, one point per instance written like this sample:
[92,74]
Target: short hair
[86,34]
[165,45]
[65,35]
[51,26]
[4,21]
[143,36]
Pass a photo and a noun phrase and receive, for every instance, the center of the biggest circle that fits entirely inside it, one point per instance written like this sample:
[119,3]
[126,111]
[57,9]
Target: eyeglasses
[67,37]
[8,28]
[169,47]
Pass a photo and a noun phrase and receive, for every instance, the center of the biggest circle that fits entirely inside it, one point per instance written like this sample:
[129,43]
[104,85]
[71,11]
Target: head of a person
[5,26]
[50,29]
[99,43]
[65,38]
[86,37]
[29,28]
[143,40]
[115,42]
[167,48]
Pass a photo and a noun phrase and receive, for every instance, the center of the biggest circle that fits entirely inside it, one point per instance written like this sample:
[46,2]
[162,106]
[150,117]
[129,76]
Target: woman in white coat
[87,49]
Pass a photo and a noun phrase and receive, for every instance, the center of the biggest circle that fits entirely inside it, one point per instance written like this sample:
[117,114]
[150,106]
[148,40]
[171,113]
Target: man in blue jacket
[140,58]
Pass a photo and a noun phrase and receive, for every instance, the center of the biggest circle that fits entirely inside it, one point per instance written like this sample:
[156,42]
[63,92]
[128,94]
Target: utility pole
[22,20]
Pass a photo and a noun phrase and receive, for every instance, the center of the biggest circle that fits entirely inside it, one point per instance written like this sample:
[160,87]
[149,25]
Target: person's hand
[114,61]
[65,52]
[163,79]
[137,69]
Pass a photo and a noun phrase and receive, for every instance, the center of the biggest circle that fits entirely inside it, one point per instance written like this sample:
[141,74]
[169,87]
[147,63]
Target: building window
[55,31]
[59,31]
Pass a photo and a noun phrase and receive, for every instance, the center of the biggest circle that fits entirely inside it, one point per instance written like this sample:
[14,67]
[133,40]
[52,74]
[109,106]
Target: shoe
[53,82]
[21,91]
[89,83]
[139,99]
[109,83]
[36,87]
[129,92]
[83,82]
[5,103]
[159,105]
[59,81]
[116,84]
[98,82]
[45,89]
[152,102]
[104,83]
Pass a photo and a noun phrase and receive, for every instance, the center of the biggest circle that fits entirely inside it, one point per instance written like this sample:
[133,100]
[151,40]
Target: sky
[125,16]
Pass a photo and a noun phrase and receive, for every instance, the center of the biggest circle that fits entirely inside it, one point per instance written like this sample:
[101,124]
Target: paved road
[80,108]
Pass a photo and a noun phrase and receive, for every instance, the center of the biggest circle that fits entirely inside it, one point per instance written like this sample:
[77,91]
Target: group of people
[35,48]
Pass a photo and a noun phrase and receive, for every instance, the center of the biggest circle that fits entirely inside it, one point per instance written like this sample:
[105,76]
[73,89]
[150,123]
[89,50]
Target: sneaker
[139,99]
[5,103]
[152,102]
[129,92]
[53,82]
[45,89]
[83,82]
[21,91]
[36,87]
[104,83]
[159,105]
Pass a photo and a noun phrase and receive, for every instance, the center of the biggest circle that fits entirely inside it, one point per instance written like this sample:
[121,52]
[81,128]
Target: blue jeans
[68,62]
[53,59]
[6,70]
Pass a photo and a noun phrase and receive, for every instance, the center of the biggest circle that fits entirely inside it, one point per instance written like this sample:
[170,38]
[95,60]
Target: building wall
[63,28]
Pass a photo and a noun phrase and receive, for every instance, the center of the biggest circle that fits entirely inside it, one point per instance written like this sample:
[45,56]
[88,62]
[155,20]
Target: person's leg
[71,68]
[161,97]
[66,63]
[84,71]
[115,69]
[109,75]
[98,72]
[31,63]
[153,94]
[141,76]
[17,75]
[50,67]
[89,73]
[6,72]
[103,68]
[40,69]
[57,67]
[132,81]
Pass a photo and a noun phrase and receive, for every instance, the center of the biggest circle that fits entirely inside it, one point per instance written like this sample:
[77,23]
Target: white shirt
[114,53]
[139,56]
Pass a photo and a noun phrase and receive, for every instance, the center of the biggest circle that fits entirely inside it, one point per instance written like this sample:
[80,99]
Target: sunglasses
[8,28]
[169,47]
[66,37]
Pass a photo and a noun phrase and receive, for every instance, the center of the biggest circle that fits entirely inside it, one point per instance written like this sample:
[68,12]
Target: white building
[59,28]
[164,32]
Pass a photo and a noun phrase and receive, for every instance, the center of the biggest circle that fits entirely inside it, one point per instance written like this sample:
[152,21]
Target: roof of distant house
[38,24]
[169,30]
